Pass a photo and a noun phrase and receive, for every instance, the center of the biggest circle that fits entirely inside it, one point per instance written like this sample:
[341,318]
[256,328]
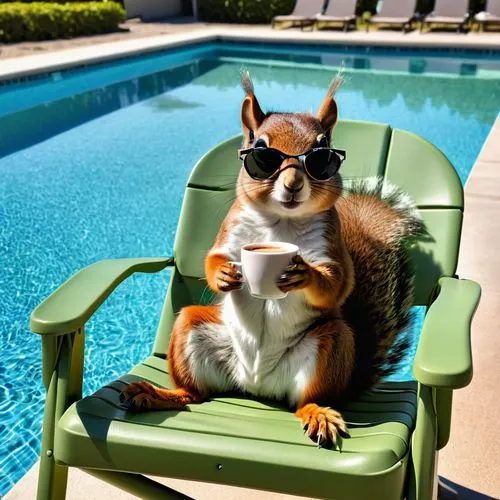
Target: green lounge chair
[396,428]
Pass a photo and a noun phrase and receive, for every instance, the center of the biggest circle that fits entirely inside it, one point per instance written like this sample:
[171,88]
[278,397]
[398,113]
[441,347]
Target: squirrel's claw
[295,276]
[322,425]
[228,278]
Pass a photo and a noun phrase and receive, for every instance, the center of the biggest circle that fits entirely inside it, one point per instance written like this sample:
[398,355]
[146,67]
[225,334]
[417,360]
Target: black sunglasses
[320,164]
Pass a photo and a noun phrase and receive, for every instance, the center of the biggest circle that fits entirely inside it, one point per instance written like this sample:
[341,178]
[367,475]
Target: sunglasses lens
[262,163]
[322,164]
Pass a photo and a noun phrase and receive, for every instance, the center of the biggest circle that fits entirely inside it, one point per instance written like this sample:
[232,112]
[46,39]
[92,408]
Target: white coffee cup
[263,263]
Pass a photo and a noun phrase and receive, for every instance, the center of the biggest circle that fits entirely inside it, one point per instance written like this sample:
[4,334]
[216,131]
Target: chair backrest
[402,158]
[341,8]
[493,7]
[308,8]
[398,8]
[451,8]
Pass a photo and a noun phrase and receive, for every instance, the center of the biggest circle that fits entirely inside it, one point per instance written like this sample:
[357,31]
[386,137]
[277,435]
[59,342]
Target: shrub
[60,1]
[243,11]
[46,21]
[56,1]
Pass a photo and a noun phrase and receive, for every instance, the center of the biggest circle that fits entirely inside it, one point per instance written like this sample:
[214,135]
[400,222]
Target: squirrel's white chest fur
[274,357]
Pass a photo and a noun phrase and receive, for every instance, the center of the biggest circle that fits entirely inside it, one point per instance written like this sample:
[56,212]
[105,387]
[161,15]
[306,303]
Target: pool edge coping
[19,67]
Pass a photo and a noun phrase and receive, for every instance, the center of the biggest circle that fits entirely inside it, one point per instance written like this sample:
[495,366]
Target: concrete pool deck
[471,461]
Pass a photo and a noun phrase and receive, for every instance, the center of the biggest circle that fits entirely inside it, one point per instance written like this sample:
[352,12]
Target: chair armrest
[75,301]
[444,357]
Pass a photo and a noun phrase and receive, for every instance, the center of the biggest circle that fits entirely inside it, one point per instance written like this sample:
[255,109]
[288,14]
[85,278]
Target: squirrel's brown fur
[378,309]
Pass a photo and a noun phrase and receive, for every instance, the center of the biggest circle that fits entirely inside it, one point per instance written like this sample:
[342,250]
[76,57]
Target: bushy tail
[378,223]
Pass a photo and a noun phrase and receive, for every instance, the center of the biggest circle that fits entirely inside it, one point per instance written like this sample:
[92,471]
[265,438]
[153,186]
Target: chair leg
[65,383]
[52,478]
[423,470]
[435,486]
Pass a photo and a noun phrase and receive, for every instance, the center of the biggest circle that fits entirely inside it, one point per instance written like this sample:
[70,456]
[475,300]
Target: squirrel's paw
[138,395]
[228,278]
[295,276]
[143,396]
[322,424]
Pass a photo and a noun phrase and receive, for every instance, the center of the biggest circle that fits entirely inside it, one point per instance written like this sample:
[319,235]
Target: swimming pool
[93,164]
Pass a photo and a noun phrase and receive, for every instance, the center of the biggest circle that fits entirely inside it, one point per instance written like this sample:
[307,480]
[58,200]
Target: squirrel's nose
[294,186]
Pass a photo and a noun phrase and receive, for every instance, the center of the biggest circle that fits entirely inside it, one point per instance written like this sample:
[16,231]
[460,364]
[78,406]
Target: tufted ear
[328,112]
[252,115]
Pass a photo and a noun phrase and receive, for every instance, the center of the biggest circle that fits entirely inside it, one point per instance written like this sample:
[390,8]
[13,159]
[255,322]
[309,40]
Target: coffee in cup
[263,263]
[267,249]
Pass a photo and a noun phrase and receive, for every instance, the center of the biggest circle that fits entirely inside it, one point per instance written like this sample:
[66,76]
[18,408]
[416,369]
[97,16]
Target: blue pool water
[93,164]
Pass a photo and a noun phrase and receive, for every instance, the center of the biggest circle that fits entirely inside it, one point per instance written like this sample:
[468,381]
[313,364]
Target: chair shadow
[451,491]
[97,426]
[395,28]
[444,29]
[424,263]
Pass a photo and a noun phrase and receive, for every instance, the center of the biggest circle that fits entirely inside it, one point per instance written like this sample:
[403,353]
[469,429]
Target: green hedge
[58,1]
[243,11]
[21,22]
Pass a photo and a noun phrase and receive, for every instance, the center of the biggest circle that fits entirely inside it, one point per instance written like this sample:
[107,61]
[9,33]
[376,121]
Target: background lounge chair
[491,15]
[339,12]
[450,13]
[304,14]
[395,12]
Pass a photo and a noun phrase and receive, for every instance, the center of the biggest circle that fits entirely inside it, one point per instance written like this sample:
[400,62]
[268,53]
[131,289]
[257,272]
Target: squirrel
[341,327]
